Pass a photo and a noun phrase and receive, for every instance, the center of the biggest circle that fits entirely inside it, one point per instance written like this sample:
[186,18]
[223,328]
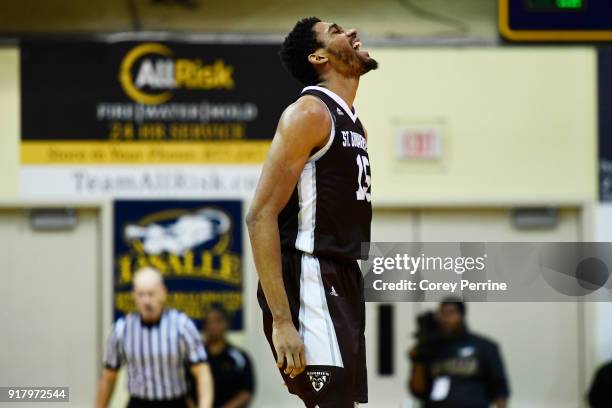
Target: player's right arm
[105,387]
[303,127]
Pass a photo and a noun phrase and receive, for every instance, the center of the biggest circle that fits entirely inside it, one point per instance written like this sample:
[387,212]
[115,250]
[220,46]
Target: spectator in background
[230,366]
[600,394]
[156,343]
[454,368]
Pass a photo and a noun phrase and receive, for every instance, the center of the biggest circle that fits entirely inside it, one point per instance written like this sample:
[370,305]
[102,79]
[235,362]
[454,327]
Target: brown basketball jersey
[329,212]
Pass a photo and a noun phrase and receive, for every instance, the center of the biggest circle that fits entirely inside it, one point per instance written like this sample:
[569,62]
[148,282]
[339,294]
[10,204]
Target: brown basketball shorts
[328,310]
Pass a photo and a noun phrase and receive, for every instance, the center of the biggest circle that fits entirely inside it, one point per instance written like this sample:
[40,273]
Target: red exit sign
[419,143]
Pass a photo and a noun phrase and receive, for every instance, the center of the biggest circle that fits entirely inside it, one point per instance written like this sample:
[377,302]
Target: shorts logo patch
[318,379]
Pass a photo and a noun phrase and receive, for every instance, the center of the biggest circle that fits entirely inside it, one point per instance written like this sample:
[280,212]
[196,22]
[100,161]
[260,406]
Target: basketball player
[309,216]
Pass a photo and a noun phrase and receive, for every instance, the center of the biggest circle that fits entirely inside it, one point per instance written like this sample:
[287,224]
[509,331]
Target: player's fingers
[290,363]
[297,366]
[303,358]
[280,358]
[300,363]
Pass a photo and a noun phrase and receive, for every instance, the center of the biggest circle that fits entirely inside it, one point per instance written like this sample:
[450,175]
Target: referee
[156,344]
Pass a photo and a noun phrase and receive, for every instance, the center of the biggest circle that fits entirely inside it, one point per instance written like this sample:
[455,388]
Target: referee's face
[149,296]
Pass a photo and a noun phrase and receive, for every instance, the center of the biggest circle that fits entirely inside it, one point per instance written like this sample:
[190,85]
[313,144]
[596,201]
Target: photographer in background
[600,394]
[452,367]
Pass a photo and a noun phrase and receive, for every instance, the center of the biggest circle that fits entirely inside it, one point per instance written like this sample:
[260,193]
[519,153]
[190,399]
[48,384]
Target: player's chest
[350,142]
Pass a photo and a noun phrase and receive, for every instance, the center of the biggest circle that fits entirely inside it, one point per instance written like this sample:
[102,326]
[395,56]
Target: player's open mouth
[356,44]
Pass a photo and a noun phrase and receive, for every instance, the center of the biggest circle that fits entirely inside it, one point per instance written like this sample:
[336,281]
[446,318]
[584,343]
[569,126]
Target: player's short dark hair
[456,302]
[298,45]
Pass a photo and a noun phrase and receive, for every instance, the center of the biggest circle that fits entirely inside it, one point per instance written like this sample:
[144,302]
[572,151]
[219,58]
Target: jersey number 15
[362,188]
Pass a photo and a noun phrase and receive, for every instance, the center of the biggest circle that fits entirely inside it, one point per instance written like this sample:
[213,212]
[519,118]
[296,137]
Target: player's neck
[346,88]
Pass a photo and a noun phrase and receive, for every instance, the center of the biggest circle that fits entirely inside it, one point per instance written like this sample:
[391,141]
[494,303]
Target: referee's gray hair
[148,270]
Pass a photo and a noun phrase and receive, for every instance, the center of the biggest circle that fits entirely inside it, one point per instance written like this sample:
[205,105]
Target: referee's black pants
[142,403]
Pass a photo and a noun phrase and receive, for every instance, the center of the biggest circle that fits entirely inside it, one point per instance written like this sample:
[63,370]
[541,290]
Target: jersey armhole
[317,155]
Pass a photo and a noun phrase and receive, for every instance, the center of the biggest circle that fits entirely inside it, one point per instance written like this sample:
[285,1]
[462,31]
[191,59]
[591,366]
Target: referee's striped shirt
[156,355]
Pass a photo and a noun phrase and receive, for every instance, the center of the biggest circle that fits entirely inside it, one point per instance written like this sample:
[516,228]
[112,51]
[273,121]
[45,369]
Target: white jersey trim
[307,199]
[316,327]
[307,194]
[336,98]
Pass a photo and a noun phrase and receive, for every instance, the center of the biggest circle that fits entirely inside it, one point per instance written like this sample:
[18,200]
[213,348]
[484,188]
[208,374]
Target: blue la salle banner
[196,245]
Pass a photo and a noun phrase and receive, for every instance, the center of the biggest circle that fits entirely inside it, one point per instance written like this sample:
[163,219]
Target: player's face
[450,319]
[149,297]
[343,49]
[215,326]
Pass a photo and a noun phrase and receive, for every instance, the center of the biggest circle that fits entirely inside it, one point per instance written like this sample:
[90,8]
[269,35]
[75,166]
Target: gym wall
[503,114]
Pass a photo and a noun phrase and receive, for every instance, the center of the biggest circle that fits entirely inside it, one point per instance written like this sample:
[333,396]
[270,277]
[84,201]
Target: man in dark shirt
[453,367]
[231,367]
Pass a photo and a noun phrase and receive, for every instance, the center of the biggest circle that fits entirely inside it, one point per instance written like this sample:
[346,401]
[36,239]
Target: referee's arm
[197,359]
[204,383]
[105,387]
[112,362]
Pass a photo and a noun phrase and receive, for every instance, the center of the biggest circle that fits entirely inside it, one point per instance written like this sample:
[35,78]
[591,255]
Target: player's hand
[289,348]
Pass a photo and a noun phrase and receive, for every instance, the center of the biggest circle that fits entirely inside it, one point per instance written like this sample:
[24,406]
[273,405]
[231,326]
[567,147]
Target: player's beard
[352,64]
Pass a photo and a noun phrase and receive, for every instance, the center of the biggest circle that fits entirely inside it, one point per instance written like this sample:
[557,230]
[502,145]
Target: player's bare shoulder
[307,120]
